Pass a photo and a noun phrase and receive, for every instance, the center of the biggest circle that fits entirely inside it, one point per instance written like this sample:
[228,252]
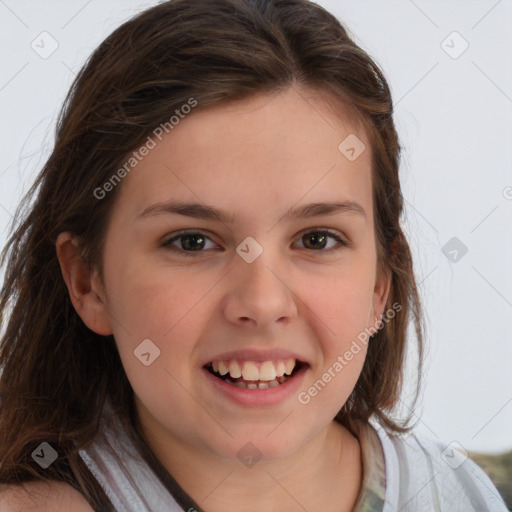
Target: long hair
[57,373]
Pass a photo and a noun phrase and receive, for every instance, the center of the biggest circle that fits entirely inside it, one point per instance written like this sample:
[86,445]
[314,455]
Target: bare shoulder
[52,496]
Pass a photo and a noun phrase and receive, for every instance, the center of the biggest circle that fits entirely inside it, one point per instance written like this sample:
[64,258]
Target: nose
[259,293]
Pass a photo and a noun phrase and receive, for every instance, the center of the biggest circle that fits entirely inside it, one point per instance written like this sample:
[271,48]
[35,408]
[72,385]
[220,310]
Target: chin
[258,445]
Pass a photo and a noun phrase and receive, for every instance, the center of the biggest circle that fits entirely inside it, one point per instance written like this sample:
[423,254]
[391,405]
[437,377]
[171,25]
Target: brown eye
[192,242]
[189,242]
[317,240]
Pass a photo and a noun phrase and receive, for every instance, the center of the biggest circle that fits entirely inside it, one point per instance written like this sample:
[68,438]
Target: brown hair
[56,373]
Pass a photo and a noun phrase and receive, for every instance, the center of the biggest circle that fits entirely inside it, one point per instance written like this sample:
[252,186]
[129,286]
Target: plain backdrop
[449,66]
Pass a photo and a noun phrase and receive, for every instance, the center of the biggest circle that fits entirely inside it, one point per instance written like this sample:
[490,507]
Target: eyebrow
[203,211]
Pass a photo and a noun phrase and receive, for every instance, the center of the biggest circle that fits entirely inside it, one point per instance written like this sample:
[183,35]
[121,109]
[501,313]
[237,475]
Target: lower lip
[258,397]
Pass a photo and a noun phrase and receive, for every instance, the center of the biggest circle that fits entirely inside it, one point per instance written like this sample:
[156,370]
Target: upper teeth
[252,370]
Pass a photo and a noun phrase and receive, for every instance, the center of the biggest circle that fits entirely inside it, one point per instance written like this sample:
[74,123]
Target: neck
[324,474]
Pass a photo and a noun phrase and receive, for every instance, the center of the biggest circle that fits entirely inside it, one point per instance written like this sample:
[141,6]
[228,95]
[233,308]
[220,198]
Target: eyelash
[335,236]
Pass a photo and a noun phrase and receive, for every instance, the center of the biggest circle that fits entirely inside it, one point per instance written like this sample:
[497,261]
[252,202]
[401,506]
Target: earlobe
[83,285]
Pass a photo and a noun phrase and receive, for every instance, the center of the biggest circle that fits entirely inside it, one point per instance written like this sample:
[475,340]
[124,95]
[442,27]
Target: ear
[84,285]
[380,295]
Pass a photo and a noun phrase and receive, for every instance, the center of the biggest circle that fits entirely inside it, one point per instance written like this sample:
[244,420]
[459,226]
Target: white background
[454,118]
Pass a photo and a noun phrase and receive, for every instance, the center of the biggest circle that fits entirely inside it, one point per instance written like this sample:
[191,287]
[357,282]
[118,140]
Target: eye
[319,237]
[190,242]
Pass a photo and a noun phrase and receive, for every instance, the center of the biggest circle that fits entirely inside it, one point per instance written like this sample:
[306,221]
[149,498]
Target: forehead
[264,153]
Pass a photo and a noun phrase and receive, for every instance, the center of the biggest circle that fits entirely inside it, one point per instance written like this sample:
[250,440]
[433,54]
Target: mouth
[255,375]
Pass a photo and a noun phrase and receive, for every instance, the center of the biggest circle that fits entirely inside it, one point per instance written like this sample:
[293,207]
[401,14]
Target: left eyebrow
[203,211]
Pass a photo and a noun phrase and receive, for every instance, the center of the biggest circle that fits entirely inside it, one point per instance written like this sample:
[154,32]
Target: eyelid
[329,231]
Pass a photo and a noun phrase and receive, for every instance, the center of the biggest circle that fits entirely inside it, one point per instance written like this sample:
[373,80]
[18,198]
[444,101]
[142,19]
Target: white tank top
[409,474]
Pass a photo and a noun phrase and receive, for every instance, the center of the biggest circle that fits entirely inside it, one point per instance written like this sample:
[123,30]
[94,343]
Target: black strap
[183,499]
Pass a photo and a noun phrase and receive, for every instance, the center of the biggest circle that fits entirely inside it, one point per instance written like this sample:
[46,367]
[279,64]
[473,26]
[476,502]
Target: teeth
[268,371]
[250,371]
[234,370]
[252,385]
[223,369]
[290,365]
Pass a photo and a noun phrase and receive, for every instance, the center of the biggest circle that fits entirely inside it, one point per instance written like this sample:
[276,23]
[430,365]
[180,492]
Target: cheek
[166,311]
[341,301]
[164,305]
[332,382]
[338,307]
[151,301]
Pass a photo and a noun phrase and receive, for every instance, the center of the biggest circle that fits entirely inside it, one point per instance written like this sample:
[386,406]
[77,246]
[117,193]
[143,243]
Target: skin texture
[256,158]
[51,496]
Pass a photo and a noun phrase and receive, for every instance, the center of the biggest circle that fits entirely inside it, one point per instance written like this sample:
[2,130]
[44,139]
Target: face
[258,292]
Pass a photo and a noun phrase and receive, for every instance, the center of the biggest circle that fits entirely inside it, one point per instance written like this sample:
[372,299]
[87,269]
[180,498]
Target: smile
[257,382]
[254,374]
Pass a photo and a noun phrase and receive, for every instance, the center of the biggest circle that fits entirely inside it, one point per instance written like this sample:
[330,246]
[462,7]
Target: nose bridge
[256,270]
[258,274]
[259,289]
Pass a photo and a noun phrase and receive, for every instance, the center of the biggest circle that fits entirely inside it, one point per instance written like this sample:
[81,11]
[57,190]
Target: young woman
[209,294]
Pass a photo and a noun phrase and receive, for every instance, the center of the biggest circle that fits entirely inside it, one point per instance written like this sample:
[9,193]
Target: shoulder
[422,471]
[50,496]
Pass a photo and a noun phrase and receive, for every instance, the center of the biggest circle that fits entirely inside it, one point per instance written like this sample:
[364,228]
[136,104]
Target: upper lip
[256,355]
